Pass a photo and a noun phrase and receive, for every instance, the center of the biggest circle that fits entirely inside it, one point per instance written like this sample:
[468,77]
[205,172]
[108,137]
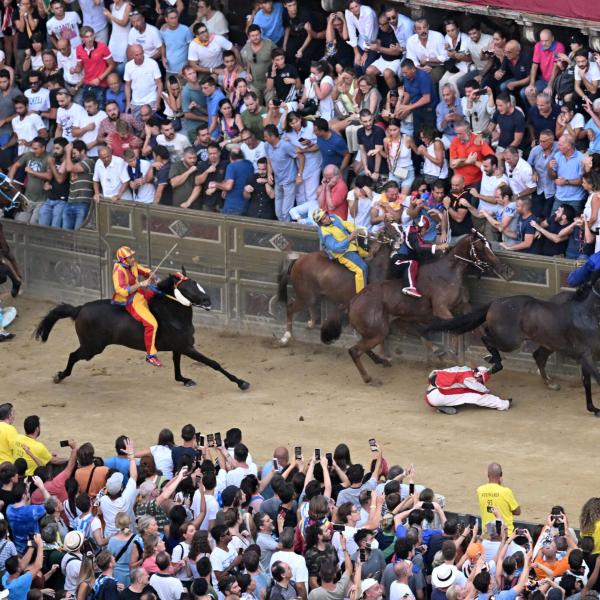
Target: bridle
[474,259]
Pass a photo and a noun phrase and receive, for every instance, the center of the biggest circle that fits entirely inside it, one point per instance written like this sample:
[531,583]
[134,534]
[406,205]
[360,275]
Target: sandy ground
[310,396]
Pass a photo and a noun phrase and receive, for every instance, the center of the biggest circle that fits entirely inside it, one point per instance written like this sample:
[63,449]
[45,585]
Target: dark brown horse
[567,323]
[444,293]
[313,277]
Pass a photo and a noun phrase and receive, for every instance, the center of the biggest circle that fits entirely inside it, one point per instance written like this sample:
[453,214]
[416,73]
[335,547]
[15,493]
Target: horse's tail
[461,324]
[62,311]
[282,279]
[331,329]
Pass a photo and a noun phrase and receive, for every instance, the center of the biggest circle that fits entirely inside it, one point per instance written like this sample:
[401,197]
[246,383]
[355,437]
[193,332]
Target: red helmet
[423,222]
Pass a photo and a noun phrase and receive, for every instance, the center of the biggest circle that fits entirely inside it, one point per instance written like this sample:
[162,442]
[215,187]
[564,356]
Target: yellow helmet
[124,252]
[318,215]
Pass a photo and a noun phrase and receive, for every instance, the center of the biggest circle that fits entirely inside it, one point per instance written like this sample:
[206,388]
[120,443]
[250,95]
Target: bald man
[517,65]
[143,82]
[543,68]
[282,456]
[496,501]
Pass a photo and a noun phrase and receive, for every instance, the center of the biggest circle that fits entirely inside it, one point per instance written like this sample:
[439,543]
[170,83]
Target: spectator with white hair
[566,170]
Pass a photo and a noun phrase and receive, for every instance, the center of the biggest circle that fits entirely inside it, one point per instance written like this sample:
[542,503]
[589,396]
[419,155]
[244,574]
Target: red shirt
[94,62]
[339,200]
[471,173]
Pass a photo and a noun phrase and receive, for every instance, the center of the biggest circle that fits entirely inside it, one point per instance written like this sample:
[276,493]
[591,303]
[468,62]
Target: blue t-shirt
[23,521]
[271,25]
[420,85]
[283,161]
[332,150]
[569,168]
[178,452]
[240,171]
[212,108]
[18,588]
[524,227]
[176,45]
[118,97]
[539,122]
[509,125]
[119,463]
[595,143]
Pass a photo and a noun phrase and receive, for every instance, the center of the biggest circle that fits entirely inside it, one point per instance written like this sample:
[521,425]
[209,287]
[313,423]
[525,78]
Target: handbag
[310,107]
[400,172]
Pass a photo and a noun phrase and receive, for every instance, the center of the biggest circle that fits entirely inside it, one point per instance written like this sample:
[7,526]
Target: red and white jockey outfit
[462,385]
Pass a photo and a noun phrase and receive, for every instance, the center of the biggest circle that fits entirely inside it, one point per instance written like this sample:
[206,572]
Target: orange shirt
[558,567]
[471,173]
[83,474]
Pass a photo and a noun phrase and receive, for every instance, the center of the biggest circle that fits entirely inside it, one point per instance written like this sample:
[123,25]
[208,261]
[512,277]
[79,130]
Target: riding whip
[164,258]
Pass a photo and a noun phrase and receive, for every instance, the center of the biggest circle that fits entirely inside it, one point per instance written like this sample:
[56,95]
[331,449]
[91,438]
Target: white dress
[118,38]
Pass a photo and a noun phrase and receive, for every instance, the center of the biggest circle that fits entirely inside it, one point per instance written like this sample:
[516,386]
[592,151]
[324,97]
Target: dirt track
[311,396]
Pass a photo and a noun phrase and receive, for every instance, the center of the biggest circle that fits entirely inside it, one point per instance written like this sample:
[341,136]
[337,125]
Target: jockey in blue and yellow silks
[338,240]
[134,294]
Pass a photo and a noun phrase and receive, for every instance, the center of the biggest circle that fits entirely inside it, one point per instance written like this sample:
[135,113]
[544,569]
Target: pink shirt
[339,200]
[546,58]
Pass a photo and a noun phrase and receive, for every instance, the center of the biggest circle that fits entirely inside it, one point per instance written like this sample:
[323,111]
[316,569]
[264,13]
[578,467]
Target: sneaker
[5,336]
[153,360]
[411,291]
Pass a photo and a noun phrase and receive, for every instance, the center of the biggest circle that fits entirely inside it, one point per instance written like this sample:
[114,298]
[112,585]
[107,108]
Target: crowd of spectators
[361,112]
[198,519]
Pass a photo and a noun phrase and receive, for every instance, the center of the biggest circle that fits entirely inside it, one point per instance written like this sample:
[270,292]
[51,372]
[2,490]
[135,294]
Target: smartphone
[218,441]
[490,509]
[298,452]
[428,505]
[210,438]
[198,436]
[201,440]
[198,481]
[363,555]
[317,454]
[411,488]
[373,445]
[329,458]
[240,551]
[302,140]
[472,521]
[339,527]
[498,527]
[63,443]
[275,465]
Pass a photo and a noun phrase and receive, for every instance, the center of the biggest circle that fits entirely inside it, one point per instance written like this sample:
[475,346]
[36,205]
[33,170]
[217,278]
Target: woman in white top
[319,87]
[214,19]
[435,165]
[570,122]
[161,453]
[179,556]
[591,213]
[118,15]
[300,133]
[456,46]
[397,150]
[360,201]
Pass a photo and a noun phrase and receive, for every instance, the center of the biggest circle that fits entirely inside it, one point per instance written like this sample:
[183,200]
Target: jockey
[134,295]
[461,385]
[583,273]
[338,240]
[406,259]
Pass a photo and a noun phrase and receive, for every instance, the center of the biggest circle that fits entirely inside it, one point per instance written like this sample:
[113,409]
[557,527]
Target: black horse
[568,323]
[99,324]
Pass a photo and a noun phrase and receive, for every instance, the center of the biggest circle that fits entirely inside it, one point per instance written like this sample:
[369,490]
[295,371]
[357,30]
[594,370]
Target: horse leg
[314,313]
[540,356]
[177,367]
[495,358]
[588,368]
[377,359]
[213,364]
[293,307]
[76,356]
[362,347]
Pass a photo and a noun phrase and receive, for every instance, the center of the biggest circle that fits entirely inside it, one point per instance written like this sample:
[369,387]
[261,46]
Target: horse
[99,324]
[441,283]
[567,323]
[314,276]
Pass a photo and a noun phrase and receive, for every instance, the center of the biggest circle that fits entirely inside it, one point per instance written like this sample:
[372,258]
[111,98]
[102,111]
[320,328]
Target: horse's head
[476,250]
[188,292]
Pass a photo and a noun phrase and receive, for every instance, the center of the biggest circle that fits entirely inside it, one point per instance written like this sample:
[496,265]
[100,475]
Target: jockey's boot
[5,336]
[153,360]
[411,291]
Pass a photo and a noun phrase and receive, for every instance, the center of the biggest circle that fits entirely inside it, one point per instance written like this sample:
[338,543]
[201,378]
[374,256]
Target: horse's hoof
[597,413]
[57,378]
[488,358]
[374,382]
[552,385]
[497,367]
[386,363]
[243,385]
[189,383]
[284,340]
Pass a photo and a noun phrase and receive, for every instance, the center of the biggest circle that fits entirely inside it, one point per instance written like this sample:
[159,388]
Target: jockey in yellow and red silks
[134,294]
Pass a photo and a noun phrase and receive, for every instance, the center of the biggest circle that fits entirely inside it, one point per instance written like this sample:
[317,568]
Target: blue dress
[121,570]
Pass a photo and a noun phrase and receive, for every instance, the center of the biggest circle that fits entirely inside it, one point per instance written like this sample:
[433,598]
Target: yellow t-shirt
[8,435]
[594,534]
[37,448]
[499,497]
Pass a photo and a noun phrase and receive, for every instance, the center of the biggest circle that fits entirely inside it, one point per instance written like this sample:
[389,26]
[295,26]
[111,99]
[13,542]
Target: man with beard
[202,142]
[87,126]
[211,170]
[109,125]
[68,114]
[81,188]
[51,211]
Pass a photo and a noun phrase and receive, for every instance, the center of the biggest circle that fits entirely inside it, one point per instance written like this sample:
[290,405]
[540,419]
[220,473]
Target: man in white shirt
[88,123]
[142,189]
[402,25]
[242,468]
[252,148]
[478,108]
[66,58]
[222,558]
[205,54]
[519,173]
[173,141]
[26,126]
[362,24]
[427,49]
[110,180]
[64,25]
[209,481]
[147,36]
[167,586]
[296,562]
[491,178]
[400,588]
[478,42]
[67,115]
[38,96]
[143,82]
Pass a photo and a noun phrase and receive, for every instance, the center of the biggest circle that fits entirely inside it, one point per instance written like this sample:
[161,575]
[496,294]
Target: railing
[236,260]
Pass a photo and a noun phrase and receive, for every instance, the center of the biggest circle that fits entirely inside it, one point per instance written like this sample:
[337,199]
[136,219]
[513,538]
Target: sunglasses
[254,57]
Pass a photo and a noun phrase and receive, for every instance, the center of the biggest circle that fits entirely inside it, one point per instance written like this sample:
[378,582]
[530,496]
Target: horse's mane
[165,285]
